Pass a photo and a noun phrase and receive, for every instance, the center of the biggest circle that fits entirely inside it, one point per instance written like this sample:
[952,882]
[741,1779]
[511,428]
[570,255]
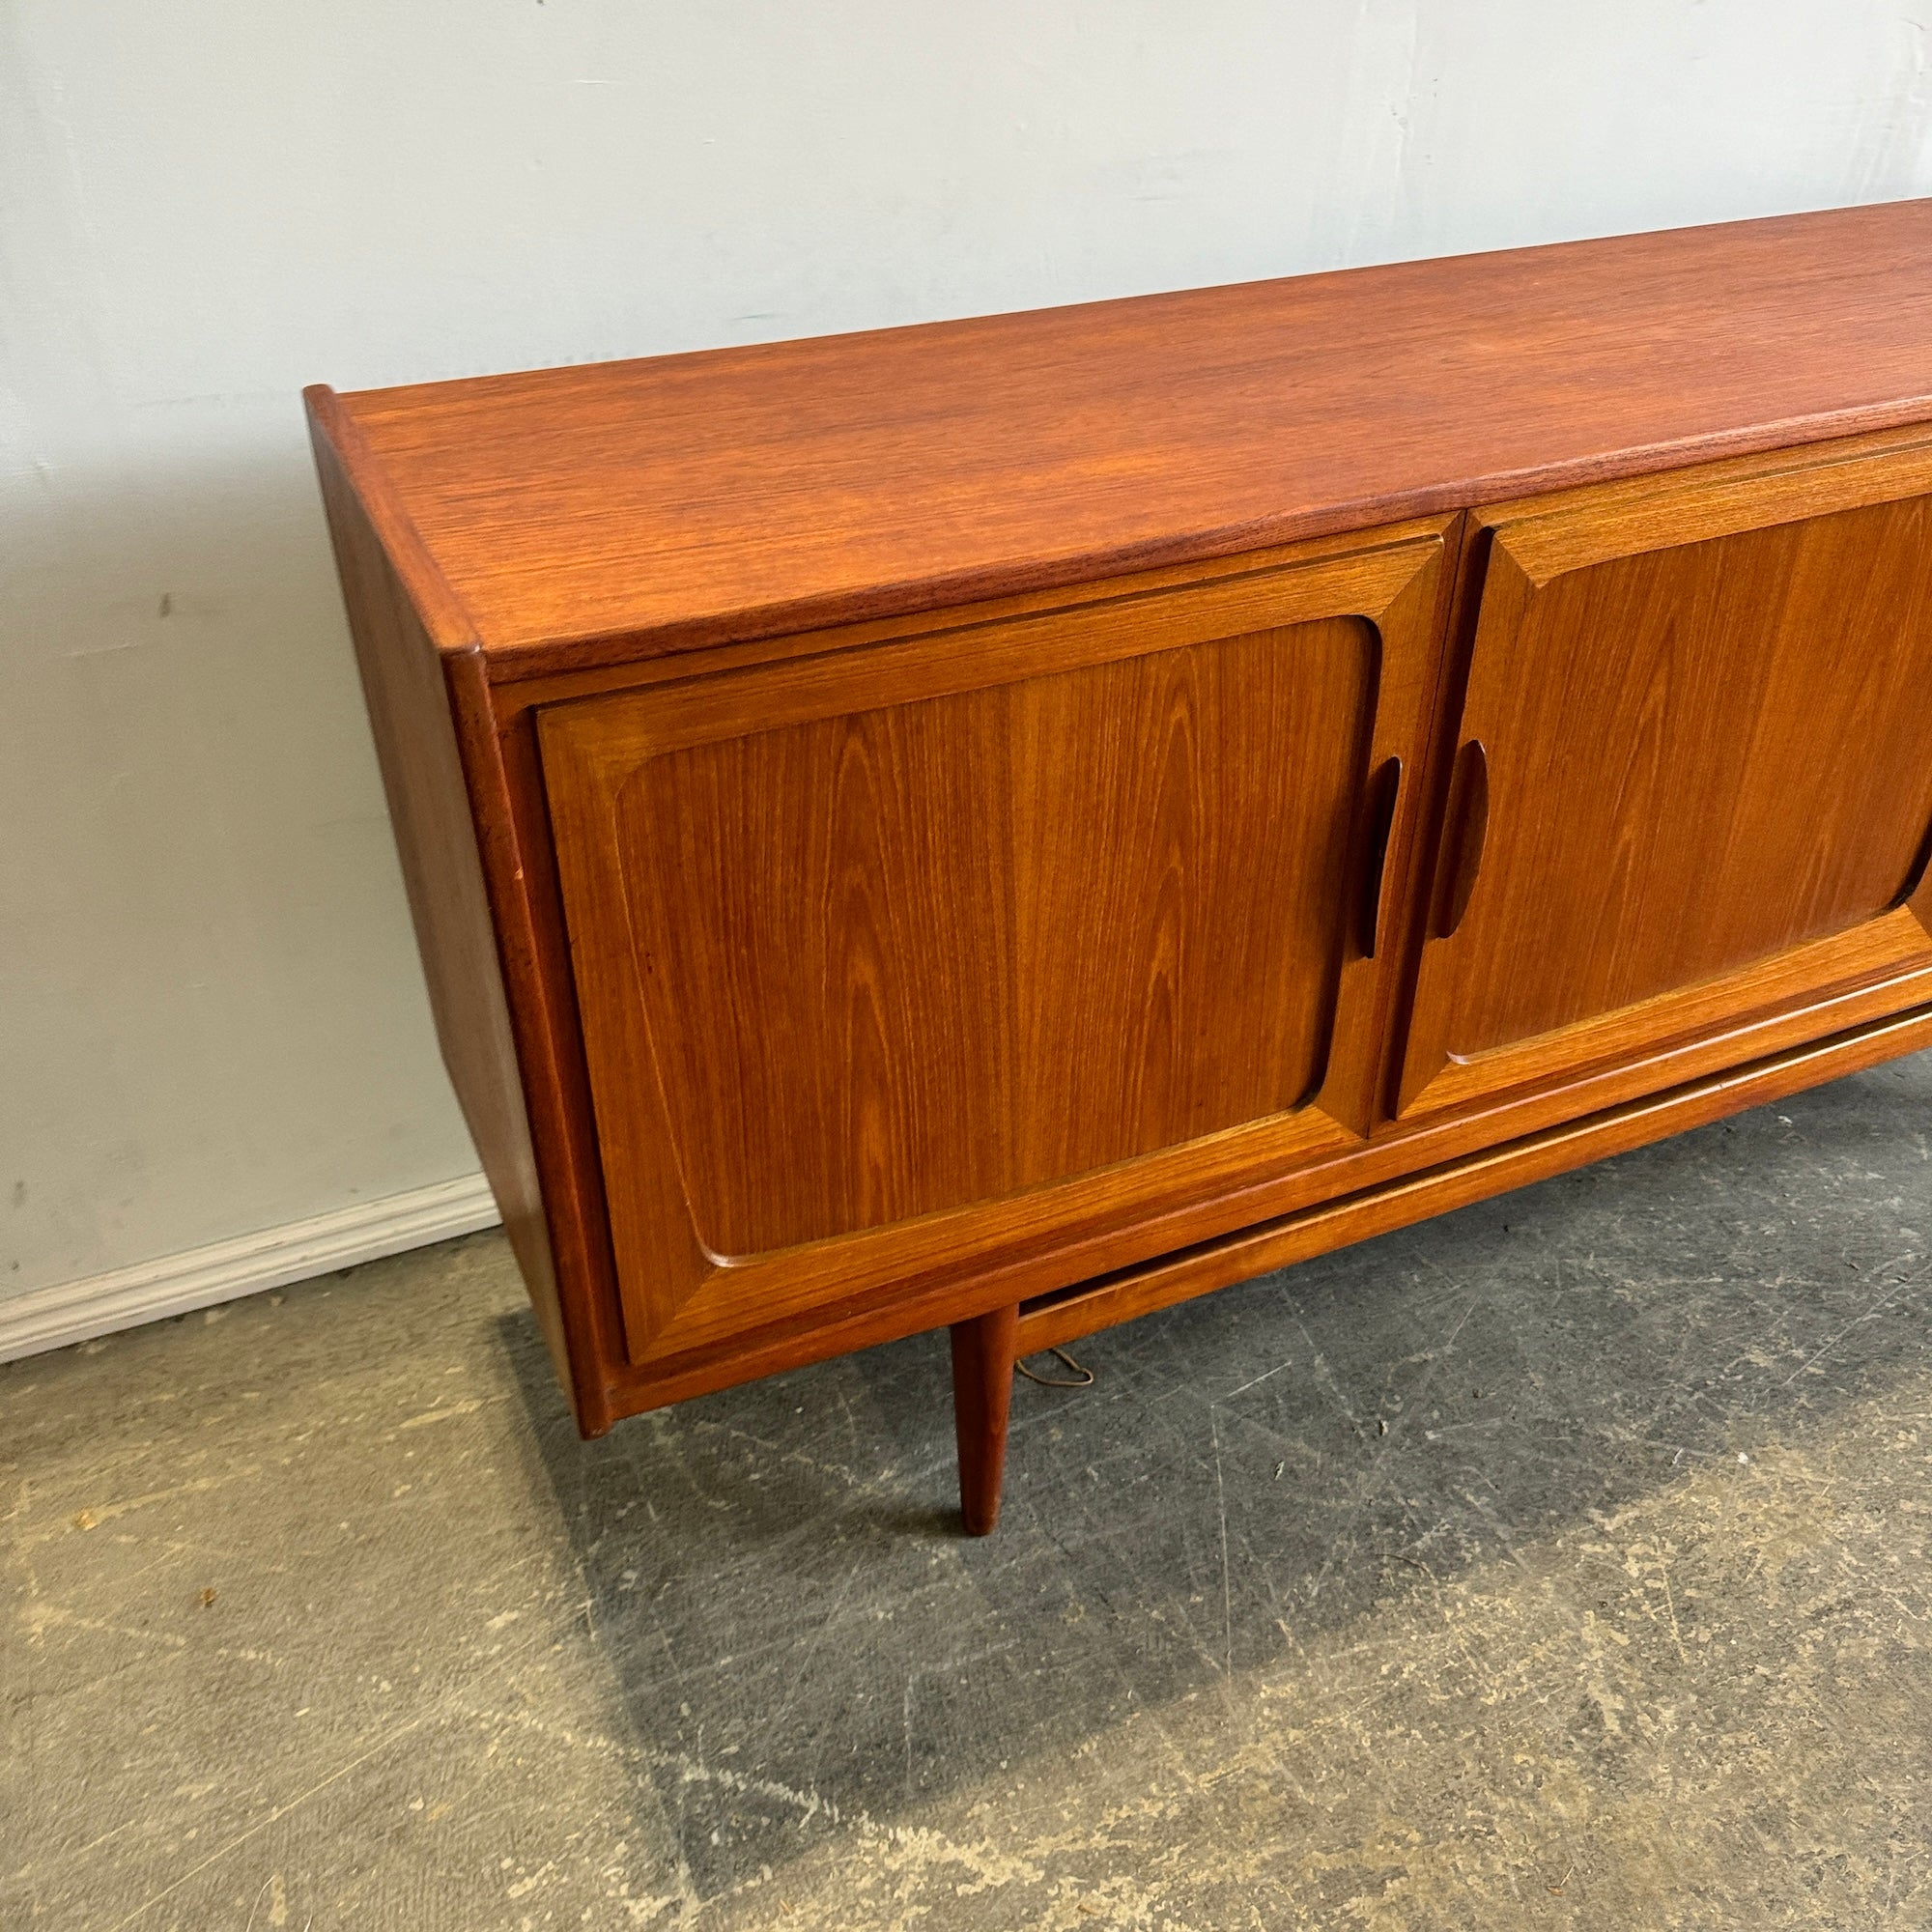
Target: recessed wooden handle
[1383,789]
[1468,833]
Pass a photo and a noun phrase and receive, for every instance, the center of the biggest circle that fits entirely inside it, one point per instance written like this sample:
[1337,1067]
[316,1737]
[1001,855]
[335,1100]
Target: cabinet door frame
[677,1296]
[1880,966]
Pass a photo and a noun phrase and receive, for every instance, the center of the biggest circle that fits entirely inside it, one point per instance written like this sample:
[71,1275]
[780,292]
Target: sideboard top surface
[573,515]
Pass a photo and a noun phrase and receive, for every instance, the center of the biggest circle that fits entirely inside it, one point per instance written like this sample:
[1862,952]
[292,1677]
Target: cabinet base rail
[986,1347]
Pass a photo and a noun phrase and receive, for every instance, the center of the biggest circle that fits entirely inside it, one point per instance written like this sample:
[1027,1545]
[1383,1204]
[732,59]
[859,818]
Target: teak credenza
[1007,824]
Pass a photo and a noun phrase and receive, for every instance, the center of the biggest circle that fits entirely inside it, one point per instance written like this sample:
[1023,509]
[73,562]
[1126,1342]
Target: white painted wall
[210,1016]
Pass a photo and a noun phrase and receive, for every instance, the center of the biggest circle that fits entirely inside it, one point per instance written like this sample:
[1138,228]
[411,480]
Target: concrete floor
[1563,1563]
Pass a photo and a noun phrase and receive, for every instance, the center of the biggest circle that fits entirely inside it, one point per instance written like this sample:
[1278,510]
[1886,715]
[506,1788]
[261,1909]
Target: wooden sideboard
[1010,823]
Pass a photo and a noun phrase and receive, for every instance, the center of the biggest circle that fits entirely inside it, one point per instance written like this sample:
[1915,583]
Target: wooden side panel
[906,958]
[410,713]
[1701,750]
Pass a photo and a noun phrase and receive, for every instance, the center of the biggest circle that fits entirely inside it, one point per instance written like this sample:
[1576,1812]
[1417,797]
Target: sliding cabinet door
[1693,784]
[932,955]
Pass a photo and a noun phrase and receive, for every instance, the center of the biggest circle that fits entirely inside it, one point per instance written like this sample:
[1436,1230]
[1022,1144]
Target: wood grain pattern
[1051,1321]
[876,948]
[925,1279]
[1429,1156]
[1708,746]
[579,514]
[411,709]
[907,958]
[912,825]
[473,837]
[983,1394]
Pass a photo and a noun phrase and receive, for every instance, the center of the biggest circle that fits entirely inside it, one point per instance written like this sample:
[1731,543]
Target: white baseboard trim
[76,1311]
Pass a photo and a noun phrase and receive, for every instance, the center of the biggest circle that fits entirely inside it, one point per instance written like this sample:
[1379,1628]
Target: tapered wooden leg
[982,1392]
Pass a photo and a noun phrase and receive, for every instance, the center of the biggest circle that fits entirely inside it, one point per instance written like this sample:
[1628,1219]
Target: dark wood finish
[822,958]
[1465,837]
[982,1392]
